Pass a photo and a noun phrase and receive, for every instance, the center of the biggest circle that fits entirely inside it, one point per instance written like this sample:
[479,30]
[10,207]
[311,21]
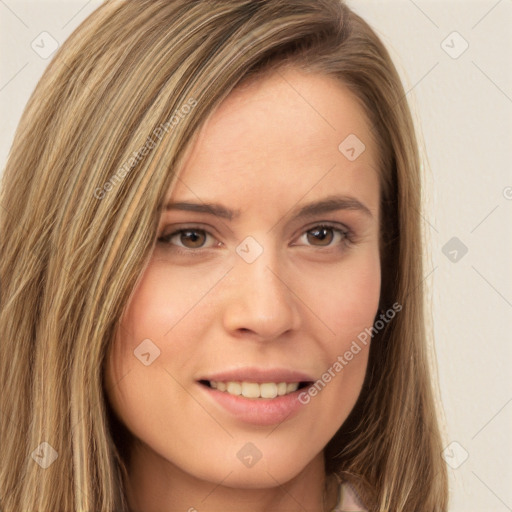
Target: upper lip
[259,375]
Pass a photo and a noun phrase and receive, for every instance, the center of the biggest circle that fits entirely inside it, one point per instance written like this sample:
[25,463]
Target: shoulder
[349,500]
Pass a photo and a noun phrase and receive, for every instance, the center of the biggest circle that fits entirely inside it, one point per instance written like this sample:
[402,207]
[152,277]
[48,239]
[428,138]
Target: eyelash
[347,238]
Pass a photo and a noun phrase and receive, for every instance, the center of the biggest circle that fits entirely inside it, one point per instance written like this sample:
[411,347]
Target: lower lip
[258,411]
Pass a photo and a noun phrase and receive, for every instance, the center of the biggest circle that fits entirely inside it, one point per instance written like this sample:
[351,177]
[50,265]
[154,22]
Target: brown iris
[195,237]
[321,234]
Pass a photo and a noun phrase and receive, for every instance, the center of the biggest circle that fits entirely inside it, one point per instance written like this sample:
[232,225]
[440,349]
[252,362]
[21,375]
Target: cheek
[347,305]
[165,299]
[164,306]
[344,307]
[347,297]
[358,295]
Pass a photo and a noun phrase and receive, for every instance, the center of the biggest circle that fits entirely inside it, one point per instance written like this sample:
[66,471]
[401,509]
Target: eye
[189,238]
[323,236]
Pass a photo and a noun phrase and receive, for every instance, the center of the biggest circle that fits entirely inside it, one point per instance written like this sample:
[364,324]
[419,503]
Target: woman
[211,269]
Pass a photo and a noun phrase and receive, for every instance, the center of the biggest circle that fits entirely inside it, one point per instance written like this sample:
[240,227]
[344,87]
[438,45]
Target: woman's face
[265,272]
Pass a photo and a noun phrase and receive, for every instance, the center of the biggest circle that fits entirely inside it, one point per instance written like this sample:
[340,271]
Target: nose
[260,301]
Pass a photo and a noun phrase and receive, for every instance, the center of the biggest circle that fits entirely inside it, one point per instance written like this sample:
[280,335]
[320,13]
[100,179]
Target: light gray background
[462,104]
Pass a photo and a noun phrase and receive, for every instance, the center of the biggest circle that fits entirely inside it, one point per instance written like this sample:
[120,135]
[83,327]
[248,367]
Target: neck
[156,485]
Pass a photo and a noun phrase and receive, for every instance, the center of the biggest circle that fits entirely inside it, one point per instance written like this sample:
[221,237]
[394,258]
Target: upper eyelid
[197,227]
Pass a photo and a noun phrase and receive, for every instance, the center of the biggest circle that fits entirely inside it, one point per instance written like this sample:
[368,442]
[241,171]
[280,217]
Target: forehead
[280,137]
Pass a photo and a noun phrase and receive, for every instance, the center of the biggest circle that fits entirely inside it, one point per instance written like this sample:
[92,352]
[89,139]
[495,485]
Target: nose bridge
[260,299]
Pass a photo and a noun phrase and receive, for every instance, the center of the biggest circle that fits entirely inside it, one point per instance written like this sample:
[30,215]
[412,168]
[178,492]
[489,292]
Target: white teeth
[234,388]
[290,388]
[268,390]
[281,388]
[250,389]
[254,389]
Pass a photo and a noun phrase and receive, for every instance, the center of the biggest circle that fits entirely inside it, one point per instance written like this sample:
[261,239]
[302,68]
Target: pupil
[322,235]
[193,237]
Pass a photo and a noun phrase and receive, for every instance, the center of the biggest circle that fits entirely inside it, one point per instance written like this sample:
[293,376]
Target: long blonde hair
[97,148]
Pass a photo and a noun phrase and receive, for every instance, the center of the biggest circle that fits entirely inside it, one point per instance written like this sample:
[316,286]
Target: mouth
[255,390]
[257,396]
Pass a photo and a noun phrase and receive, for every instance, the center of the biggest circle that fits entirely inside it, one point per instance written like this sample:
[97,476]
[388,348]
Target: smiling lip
[257,411]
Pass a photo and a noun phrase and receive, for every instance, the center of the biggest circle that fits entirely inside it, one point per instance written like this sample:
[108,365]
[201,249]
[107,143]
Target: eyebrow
[329,204]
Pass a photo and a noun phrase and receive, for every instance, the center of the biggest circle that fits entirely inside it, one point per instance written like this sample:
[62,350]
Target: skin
[268,149]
